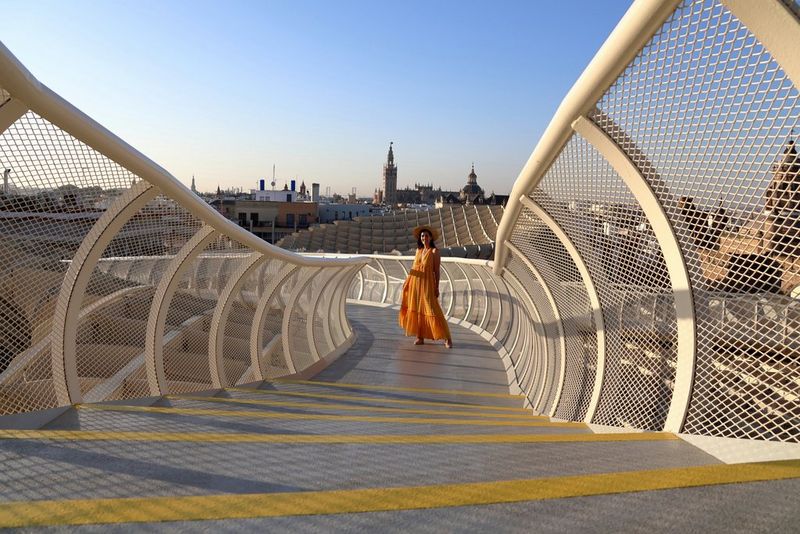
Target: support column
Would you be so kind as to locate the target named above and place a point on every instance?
(305, 279)
(11, 112)
(562, 344)
(256, 332)
(154, 333)
(216, 333)
(594, 299)
(673, 259)
(67, 310)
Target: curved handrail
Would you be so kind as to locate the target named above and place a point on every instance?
(48, 104)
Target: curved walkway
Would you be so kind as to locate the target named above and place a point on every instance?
(392, 437)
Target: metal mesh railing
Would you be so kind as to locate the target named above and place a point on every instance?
(589, 200)
(647, 266)
(543, 248)
(723, 165)
(118, 282)
(671, 171)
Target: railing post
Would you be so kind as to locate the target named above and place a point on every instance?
(594, 299)
(159, 308)
(65, 318)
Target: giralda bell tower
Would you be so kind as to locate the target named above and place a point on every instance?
(390, 179)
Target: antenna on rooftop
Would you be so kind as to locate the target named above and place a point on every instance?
(273, 176)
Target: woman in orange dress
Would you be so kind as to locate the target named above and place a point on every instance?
(420, 313)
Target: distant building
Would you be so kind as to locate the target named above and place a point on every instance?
(390, 179)
(275, 195)
(783, 192)
(343, 212)
(407, 196)
(271, 214)
(472, 192)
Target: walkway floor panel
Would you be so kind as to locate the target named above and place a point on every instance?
(390, 429)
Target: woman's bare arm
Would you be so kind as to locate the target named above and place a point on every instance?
(437, 263)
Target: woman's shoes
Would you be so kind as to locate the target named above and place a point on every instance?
(419, 341)
(449, 343)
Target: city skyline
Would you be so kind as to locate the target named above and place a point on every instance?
(222, 94)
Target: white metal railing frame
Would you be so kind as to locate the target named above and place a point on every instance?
(28, 94)
(773, 25)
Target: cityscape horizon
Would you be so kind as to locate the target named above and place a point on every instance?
(223, 95)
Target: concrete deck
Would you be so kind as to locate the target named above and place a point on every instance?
(391, 437)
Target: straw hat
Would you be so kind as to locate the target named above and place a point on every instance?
(418, 230)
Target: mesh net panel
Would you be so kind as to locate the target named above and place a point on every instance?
(597, 210)
(236, 342)
(188, 322)
(720, 155)
(57, 188)
(549, 349)
(273, 361)
(300, 313)
(543, 249)
(519, 345)
(110, 350)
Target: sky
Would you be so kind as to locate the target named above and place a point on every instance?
(222, 91)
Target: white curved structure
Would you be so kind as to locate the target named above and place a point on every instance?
(646, 272)
(670, 167)
(85, 220)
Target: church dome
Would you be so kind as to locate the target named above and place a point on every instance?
(472, 191)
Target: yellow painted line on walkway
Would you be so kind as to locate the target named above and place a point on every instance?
(394, 388)
(349, 407)
(355, 398)
(322, 439)
(309, 417)
(240, 506)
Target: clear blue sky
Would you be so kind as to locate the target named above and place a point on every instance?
(224, 90)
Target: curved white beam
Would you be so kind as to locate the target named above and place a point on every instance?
(10, 112)
(340, 284)
(216, 333)
(499, 300)
(562, 344)
(159, 308)
(776, 27)
(257, 331)
(328, 276)
(594, 299)
(305, 279)
(642, 20)
(360, 292)
(673, 259)
(67, 310)
(482, 323)
(385, 282)
(452, 293)
(20, 83)
(468, 307)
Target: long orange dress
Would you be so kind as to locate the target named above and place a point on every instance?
(420, 313)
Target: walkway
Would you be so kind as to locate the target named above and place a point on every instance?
(413, 438)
